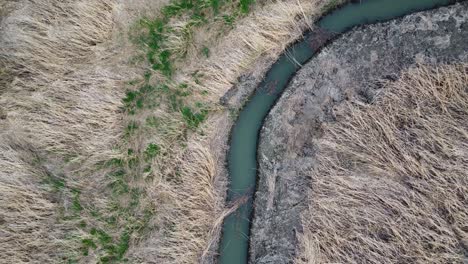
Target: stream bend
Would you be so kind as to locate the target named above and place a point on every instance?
(244, 138)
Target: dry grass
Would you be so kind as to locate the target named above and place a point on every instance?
(55, 107)
(391, 180)
(67, 107)
(63, 65)
(251, 47)
(188, 206)
(63, 68)
(189, 218)
(29, 230)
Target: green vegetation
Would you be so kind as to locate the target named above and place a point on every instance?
(193, 119)
(56, 183)
(125, 215)
(113, 251)
(124, 218)
(206, 51)
(245, 5)
(107, 232)
(76, 205)
(152, 151)
(157, 31)
(131, 128)
(156, 90)
(164, 43)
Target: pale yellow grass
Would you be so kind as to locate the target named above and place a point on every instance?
(192, 229)
(63, 65)
(67, 107)
(252, 46)
(60, 94)
(29, 230)
(55, 106)
(391, 181)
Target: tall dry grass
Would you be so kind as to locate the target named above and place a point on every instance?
(391, 180)
(63, 69)
(252, 45)
(55, 107)
(189, 218)
(67, 107)
(29, 230)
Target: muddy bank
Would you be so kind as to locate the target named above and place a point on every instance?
(354, 64)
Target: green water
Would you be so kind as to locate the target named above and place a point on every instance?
(242, 162)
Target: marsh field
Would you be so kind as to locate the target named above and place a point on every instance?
(114, 133)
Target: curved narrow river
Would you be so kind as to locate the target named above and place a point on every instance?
(242, 159)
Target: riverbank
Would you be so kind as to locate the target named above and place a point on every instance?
(353, 66)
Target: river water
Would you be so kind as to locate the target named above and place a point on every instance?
(242, 158)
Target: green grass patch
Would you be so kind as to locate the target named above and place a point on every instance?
(114, 162)
(76, 206)
(206, 51)
(152, 34)
(131, 128)
(245, 5)
(229, 20)
(151, 151)
(86, 244)
(118, 181)
(215, 5)
(56, 183)
(193, 118)
(109, 234)
(152, 121)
